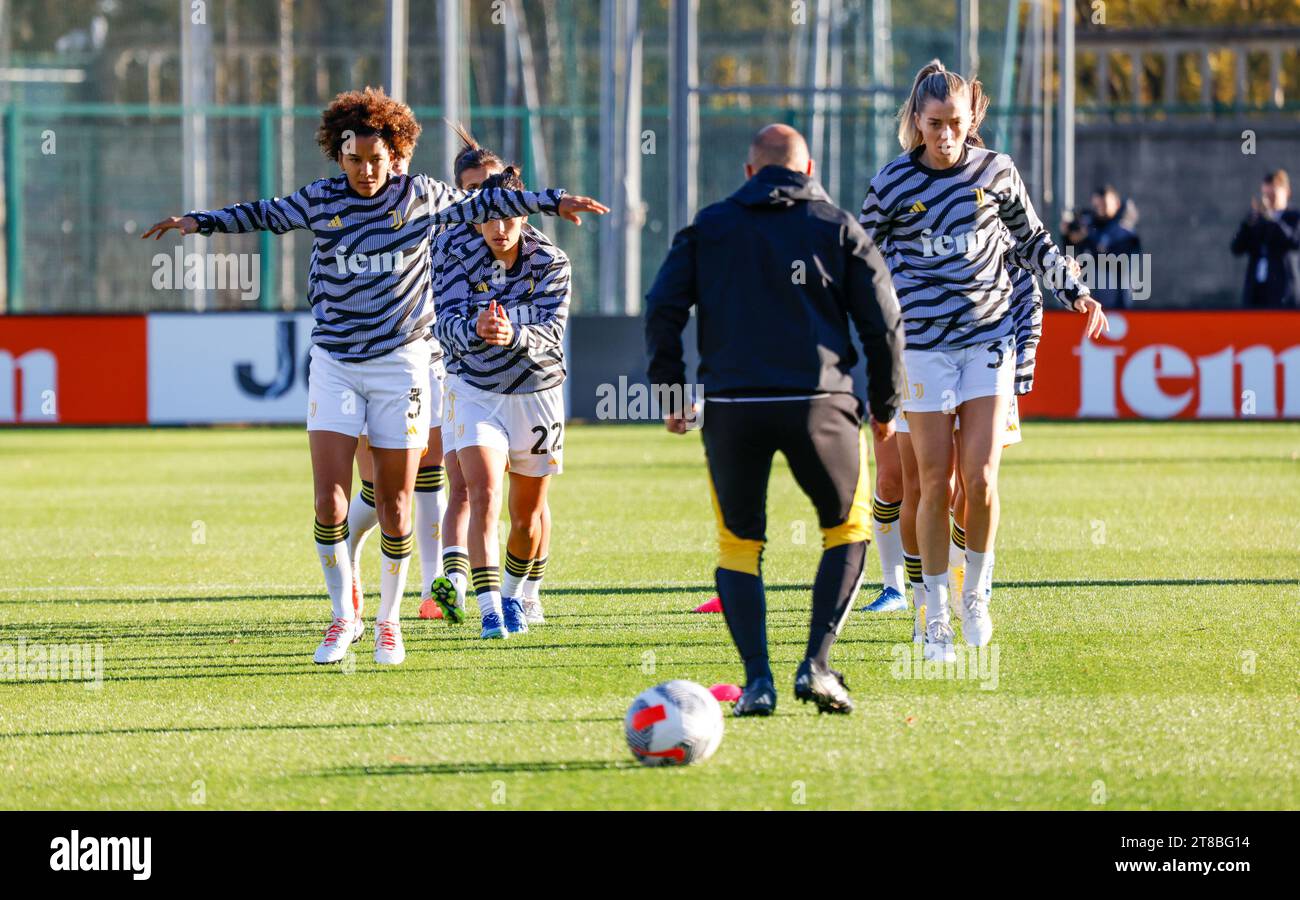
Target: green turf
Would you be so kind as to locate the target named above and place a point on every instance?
(1142, 570)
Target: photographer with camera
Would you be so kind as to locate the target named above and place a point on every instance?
(1269, 237)
(1110, 227)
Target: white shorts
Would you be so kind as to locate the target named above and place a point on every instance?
(528, 428)
(942, 380)
(1012, 434)
(437, 374)
(388, 398)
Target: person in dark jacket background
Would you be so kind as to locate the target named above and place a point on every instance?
(776, 272)
(1110, 229)
(1270, 239)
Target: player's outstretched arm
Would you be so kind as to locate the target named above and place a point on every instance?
(452, 206)
(183, 224)
(277, 215)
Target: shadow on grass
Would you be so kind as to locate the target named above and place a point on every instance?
(483, 768)
(622, 590)
(308, 726)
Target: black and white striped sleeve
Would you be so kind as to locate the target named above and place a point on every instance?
(454, 323)
(551, 298)
(1034, 248)
(277, 215)
(452, 206)
(873, 217)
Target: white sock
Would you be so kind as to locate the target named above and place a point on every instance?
(889, 542)
(533, 583)
(936, 597)
(332, 549)
(430, 504)
(979, 570)
(957, 546)
(487, 588)
(395, 556)
(516, 571)
(455, 565)
(362, 520)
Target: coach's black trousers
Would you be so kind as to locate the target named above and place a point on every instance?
(823, 443)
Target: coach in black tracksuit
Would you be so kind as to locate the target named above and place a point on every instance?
(776, 272)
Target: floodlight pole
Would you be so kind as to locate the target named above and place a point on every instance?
(196, 96)
(610, 162)
(684, 111)
(630, 189)
(882, 75)
(968, 30)
(449, 15)
(397, 41)
(1065, 116)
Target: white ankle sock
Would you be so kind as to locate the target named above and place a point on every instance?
(979, 570)
(936, 597)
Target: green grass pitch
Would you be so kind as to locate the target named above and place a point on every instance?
(1146, 608)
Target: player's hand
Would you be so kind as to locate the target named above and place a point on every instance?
(493, 326)
(1096, 316)
(680, 423)
(570, 206)
(883, 430)
(183, 224)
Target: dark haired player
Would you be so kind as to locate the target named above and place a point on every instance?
(369, 284)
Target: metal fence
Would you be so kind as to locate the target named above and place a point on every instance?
(84, 181)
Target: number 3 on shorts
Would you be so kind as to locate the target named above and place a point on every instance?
(998, 350)
(542, 432)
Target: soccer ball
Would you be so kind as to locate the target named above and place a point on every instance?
(673, 724)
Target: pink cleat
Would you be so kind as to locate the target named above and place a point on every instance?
(725, 693)
(713, 606)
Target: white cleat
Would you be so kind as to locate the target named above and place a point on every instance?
(533, 612)
(341, 635)
(937, 645)
(389, 649)
(976, 625)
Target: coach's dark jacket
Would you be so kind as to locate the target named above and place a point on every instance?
(777, 270)
(1276, 240)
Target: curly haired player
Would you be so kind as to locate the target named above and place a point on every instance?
(369, 288)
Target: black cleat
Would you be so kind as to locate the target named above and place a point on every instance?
(827, 689)
(758, 699)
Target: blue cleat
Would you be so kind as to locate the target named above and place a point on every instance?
(513, 613)
(492, 626)
(889, 600)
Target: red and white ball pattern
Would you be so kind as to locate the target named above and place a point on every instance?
(673, 724)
